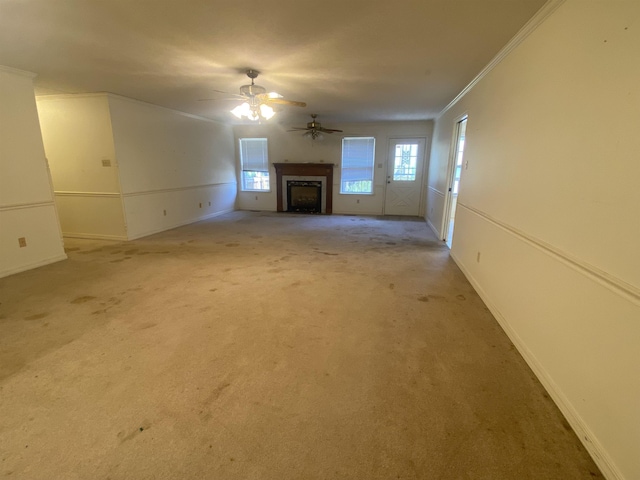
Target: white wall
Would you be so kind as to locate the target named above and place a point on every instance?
(550, 200)
(163, 168)
(174, 168)
(77, 135)
(26, 199)
(292, 147)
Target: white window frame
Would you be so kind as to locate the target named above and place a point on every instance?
(345, 166)
(258, 165)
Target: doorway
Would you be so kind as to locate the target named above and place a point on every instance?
(404, 176)
(454, 180)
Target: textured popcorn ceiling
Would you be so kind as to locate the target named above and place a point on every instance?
(348, 60)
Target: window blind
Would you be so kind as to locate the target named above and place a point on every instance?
(253, 154)
(357, 161)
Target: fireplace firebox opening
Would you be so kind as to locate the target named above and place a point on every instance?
(304, 196)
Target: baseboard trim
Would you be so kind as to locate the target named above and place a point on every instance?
(31, 266)
(588, 439)
(180, 224)
(434, 229)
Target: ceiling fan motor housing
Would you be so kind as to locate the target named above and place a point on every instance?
(252, 90)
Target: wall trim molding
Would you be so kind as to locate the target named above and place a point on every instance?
(68, 193)
(30, 266)
(586, 437)
(176, 189)
(18, 206)
(179, 224)
(15, 71)
(601, 277)
(540, 16)
(94, 236)
(435, 190)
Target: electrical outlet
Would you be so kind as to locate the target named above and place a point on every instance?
(106, 162)
(22, 241)
(478, 257)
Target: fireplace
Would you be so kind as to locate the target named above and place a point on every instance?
(311, 174)
(304, 196)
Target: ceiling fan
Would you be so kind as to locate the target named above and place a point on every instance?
(258, 103)
(314, 129)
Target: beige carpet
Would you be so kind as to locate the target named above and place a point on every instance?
(268, 346)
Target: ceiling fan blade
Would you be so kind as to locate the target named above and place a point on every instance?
(297, 129)
(234, 99)
(282, 101)
(328, 130)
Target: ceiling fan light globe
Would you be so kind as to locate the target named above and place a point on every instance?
(266, 111)
(241, 110)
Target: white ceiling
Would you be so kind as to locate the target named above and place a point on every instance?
(349, 60)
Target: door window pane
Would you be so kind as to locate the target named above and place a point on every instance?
(405, 162)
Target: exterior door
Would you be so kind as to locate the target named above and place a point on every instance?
(404, 177)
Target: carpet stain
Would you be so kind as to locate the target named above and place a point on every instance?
(461, 297)
(423, 298)
(133, 434)
(329, 253)
(213, 289)
(146, 326)
(37, 316)
(232, 245)
(215, 394)
(392, 286)
(83, 299)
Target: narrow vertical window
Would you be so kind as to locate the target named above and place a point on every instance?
(358, 156)
(254, 163)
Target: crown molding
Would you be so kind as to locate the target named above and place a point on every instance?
(15, 71)
(541, 15)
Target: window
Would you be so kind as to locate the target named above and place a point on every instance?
(405, 161)
(254, 163)
(357, 165)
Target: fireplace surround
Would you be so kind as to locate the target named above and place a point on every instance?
(308, 172)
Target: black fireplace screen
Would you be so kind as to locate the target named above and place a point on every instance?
(304, 196)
